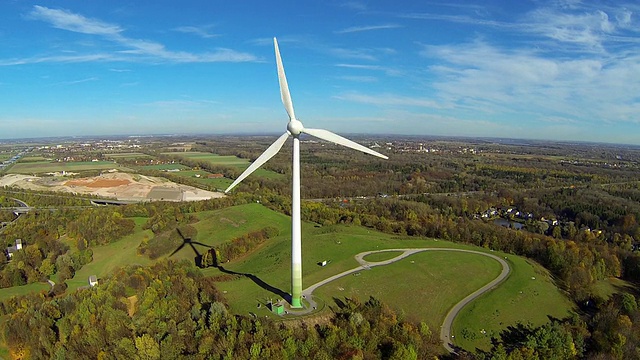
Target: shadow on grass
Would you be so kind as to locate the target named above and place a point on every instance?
(258, 282)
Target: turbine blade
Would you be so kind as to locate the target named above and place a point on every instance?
(329, 136)
(266, 155)
(284, 87)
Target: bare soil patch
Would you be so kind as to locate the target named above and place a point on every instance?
(98, 183)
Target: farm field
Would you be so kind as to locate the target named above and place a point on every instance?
(34, 158)
(161, 167)
(47, 166)
(127, 156)
(226, 160)
(219, 183)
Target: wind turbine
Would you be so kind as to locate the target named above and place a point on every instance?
(294, 129)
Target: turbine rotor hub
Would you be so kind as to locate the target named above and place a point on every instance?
(295, 127)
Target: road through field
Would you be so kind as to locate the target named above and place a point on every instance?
(445, 331)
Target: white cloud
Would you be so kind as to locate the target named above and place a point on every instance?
(388, 100)
(355, 5)
(132, 49)
(489, 79)
(367, 28)
(66, 20)
(202, 31)
(387, 70)
(73, 82)
(362, 54)
(362, 79)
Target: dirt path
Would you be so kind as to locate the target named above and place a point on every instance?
(445, 331)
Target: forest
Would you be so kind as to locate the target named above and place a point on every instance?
(584, 202)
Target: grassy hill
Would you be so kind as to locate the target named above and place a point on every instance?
(422, 286)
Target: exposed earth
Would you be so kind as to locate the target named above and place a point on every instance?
(117, 185)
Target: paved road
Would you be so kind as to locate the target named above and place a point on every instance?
(445, 331)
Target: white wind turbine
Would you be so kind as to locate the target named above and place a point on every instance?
(294, 129)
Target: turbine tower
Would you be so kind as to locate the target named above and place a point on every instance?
(294, 129)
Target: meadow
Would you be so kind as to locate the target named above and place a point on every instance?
(422, 287)
(162, 167)
(225, 160)
(107, 258)
(219, 183)
(127, 156)
(527, 297)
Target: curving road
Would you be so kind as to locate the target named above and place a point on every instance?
(445, 331)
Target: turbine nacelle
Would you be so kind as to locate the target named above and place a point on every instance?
(295, 127)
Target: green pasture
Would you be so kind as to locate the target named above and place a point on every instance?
(607, 287)
(165, 167)
(47, 166)
(35, 158)
(219, 226)
(527, 296)
(107, 258)
(24, 289)
(225, 160)
(127, 156)
(423, 286)
(219, 183)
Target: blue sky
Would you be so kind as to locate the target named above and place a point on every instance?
(558, 70)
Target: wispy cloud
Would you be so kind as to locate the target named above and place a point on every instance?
(462, 19)
(132, 49)
(361, 54)
(61, 59)
(202, 31)
(354, 29)
(361, 79)
(74, 82)
(388, 99)
(181, 104)
(486, 78)
(586, 28)
(387, 70)
(66, 20)
(355, 5)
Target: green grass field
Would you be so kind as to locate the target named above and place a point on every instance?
(22, 290)
(527, 296)
(127, 156)
(46, 166)
(607, 287)
(225, 160)
(165, 167)
(35, 158)
(423, 286)
(219, 183)
(109, 257)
